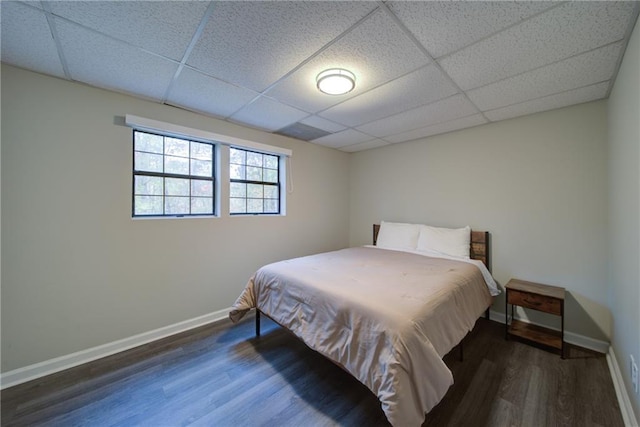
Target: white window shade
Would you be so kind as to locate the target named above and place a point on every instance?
(151, 125)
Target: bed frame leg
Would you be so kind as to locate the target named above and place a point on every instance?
(486, 314)
(461, 345)
(257, 323)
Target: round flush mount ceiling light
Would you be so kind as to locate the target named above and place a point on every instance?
(336, 81)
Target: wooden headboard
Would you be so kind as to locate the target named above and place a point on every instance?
(479, 245)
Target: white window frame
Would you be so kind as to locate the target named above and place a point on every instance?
(171, 129)
(165, 176)
(247, 182)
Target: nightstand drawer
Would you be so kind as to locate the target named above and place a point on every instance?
(535, 301)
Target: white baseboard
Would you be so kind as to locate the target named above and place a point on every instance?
(570, 337)
(628, 416)
(37, 370)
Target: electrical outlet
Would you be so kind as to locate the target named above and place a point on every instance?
(634, 374)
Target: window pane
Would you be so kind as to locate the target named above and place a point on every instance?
(176, 187)
(176, 147)
(270, 192)
(271, 162)
(176, 205)
(237, 172)
(148, 162)
(254, 174)
(201, 188)
(237, 156)
(148, 185)
(238, 189)
(201, 167)
(148, 205)
(176, 165)
(270, 175)
(256, 187)
(201, 151)
(202, 205)
(254, 191)
(254, 206)
(254, 159)
(169, 175)
(237, 205)
(148, 142)
(271, 205)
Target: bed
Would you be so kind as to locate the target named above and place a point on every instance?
(387, 316)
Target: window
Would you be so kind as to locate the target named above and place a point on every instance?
(254, 182)
(176, 172)
(172, 176)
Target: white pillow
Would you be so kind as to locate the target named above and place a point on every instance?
(395, 235)
(447, 241)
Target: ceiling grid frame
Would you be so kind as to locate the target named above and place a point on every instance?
(428, 55)
(488, 36)
(189, 49)
(308, 59)
(56, 39)
(170, 32)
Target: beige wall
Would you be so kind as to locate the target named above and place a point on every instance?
(624, 211)
(78, 272)
(537, 183)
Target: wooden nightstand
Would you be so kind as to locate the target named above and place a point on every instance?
(545, 298)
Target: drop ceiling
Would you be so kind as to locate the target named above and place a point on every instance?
(422, 68)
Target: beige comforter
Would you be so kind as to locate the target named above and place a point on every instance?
(387, 317)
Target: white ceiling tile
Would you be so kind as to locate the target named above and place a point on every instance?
(341, 139)
(445, 26)
(439, 128)
(27, 41)
(163, 27)
(103, 62)
(447, 109)
(265, 113)
(376, 51)
(511, 58)
(194, 90)
(253, 44)
(364, 146)
(324, 124)
(561, 32)
(420, 87)
(564, 99)
(582, 70)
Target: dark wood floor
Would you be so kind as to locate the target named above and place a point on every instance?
(220, 375)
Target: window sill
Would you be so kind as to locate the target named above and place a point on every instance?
(243, 215)
(138, 218)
